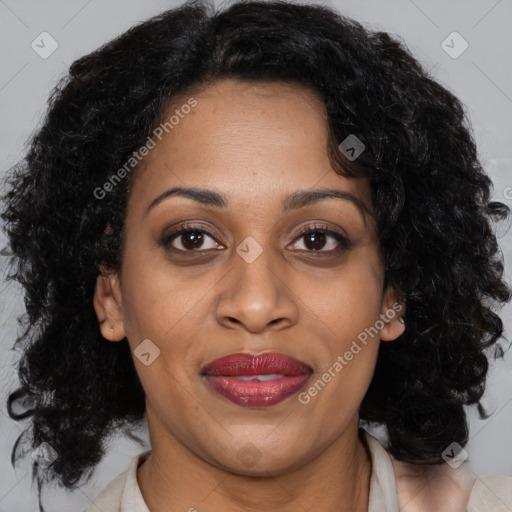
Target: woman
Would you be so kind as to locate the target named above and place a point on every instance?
(257, 228)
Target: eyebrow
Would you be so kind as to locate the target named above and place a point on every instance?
(295, 200)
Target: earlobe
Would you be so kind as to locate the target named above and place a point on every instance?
(392, 313)
(108, 306)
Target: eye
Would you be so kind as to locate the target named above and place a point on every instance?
(190, 238)
(316, 239)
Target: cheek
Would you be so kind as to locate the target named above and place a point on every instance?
(167, 306)
(347, 302)
(163, 312)
(159, 300)
(346, 311)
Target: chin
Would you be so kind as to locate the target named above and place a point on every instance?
(254, 461)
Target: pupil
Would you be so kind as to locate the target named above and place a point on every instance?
(315, 238)
(194, 237)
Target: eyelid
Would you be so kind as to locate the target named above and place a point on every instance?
(317, 226)
(342, 239)
(188, 226)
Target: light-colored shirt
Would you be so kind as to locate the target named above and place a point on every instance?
(488, 494)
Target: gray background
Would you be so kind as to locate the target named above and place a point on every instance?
(481, 77)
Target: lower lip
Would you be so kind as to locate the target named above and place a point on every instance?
(256, 393)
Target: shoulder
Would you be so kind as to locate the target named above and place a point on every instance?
(109, 499)
(491, 492)
(123, 492)
(444, 489)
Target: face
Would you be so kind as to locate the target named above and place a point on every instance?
(243, 279)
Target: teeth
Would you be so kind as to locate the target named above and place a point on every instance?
(271, 376)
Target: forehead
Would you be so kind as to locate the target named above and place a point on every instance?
(247, 114)
(251, 140)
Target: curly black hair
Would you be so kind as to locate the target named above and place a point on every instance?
(430, 196)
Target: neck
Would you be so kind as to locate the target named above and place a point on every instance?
(173, 477)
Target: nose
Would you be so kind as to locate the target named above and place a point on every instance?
(256, 296)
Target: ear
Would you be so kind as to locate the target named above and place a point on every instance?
(108, 305)
(392, 313)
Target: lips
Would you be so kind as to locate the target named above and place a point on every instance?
(256, 380)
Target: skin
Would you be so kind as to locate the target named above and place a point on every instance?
(439, 488)
(255, 143)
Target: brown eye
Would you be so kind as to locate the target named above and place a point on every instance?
(190, 239)
(315, 241)
(321, 239)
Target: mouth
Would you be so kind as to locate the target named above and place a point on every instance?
(256, 380)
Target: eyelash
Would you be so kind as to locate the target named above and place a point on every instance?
(344, 243)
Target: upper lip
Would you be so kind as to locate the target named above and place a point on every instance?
(256, 364)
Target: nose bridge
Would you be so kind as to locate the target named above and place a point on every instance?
(255, 294)
(256, 267)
